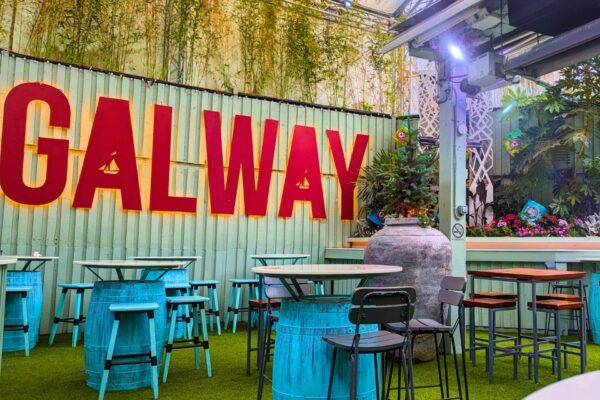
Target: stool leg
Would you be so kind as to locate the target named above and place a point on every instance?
(205, 341)
(558, 345)
(249, 340)
(472, 335)
(25, 323)
(109, 356)
(76, 317)
(195, 334)
(216, 309)
(209, 292)
(491, 343)
(57, 314)
(229, 306)
(169, 346)
(153, 360)
(236, 309)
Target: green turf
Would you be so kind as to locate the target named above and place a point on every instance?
(58, 372)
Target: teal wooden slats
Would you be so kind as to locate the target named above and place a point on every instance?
(106, 231)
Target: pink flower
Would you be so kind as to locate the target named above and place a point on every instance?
(487, 228)
(502, 223)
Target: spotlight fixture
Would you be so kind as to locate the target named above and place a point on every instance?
(347, 3)
(456, 52)
(469, 89)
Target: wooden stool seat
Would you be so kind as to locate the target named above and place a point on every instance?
(262, 303)
(484, 302)
(557, 305)
(496, 295)
(558, 296)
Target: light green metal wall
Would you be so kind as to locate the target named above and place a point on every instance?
(107, 232)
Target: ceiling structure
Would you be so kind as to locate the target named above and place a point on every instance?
(559, 32)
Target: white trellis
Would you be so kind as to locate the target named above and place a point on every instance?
(429, 109)
(481, 158)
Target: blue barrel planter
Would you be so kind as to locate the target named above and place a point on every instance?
(172, 276)
(13, 340)
(594, 305)
(302, 359)
(133, 337)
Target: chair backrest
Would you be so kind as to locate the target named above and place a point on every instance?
(382, 305)
(456, 283)
(450, 297)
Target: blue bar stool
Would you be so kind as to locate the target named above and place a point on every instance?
(22, 291)
(128, 359)
(195, 303)
(213, 300)
(236, 291)
(78, 317)
(176, 289)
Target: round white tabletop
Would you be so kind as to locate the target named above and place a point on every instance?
(120, 265)
(326, 271)
(583, 387)
(7, 260)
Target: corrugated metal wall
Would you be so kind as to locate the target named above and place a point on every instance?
(107, 232)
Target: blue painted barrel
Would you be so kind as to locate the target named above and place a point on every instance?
(171, 276)
(594, 305)
(13, 340)
(133, 337)
(302, 359)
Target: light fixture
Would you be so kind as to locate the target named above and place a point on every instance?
(347, 3)
(508, 107)
(456, 52)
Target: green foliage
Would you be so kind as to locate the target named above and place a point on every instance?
(550, 124)
(287, 49)
(399, 181)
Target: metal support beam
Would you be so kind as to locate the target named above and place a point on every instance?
(453, 167)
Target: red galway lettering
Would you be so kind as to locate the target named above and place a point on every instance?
(110, 160)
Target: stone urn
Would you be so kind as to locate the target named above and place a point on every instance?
(425, 256)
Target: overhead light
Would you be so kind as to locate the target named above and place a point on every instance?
(347, 3)
(456, 52)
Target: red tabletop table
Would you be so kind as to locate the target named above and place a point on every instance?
(533, 277)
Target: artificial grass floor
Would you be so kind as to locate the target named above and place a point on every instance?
(58, 372)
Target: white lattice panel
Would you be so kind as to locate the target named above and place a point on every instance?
(481, 159)
(429, 109)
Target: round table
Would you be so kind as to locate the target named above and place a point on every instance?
(4, 263)
(302, 360)
(581, 387)
(28, 275)
(133, 336)
(263, 258)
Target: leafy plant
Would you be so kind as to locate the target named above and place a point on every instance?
(400, 181)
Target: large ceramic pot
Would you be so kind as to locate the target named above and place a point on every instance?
(425, 255)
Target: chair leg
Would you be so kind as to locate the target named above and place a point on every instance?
(216, 309)
(169, 347)
(109, 356)
(236, 310)
(205, 341)
(265, 357)
(439, 367)
(25, 323)
(376, 375)
(77, 317)
(153, 357)
(491, 343)
(451, 337)
(195, 334)
(332, 371)
(445, 365)
(229, 307)
(472, 335)
(57, 315)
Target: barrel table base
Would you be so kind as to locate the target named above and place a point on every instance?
(133, 337)
(13, 340)
(302, 360)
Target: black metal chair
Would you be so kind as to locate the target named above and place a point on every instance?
(274, 293)
(374, 305)
(451, 294)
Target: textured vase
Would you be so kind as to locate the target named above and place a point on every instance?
(425, 256)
